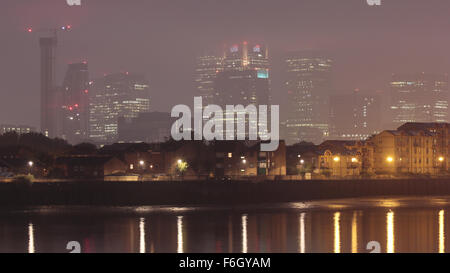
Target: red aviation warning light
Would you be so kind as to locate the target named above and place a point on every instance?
(30, 29)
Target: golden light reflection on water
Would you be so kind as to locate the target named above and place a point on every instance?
(441, 231)
(337, 232)
(31, 248)
(244, 222)
(301, 237)
(390, 232)
(390, 203)
(142, 235)
(355, 232)
(419, 226)
(180, 248)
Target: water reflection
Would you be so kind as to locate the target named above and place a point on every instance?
(244, 233)
(355, 232)
(142, 235)
(401, 228)
(337, 232)
(30, 238)
(441, 232)
(302, 235)
(180, 242)
(390, 232)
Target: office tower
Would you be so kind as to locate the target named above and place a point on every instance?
(244, 80)
(49, 104)
(419, 98)
(242, 88)
(246, 56)
(152, 127)
(354, 116)
(207, 68)
(116, 95)
(75, 103)
(308, 84)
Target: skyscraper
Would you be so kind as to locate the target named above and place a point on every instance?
(75, 103)
(419, 98)
(244, 79)
(308, 84)
(354, 116)
(49, 104)
(207, 68)
(116, 95)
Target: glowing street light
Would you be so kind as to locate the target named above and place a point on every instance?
(390, 159)
(30, 165)
(441, 159)
(336, 159)
(244, 161)
(354, 160)
(141, 162)
(179, 161)
(302, 161)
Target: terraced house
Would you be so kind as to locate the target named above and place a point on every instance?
(414, 148)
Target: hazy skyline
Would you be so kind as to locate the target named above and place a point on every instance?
(161, 39)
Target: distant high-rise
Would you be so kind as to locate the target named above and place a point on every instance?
(207, 68)
(244, 79)
(308, 84)
(419, 98)
(49, 104)
(75, 103)
(242, 88)
(116, 95)
(354, 116)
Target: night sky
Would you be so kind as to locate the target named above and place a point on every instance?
(160, 38)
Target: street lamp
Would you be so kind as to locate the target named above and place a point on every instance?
(441, 159)
(30, 165)
(390, 159)
(336, 159)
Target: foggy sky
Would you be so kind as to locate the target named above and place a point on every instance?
(161, 38)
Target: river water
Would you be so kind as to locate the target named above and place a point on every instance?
(346, 226)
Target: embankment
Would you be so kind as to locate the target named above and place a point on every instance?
(209, 192)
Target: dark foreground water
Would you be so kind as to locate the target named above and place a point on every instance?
(396, 225)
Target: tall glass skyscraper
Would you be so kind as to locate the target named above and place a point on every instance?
(207, 68)
(308, 83)
(75, 103)
(419, 98)
(116, 95)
